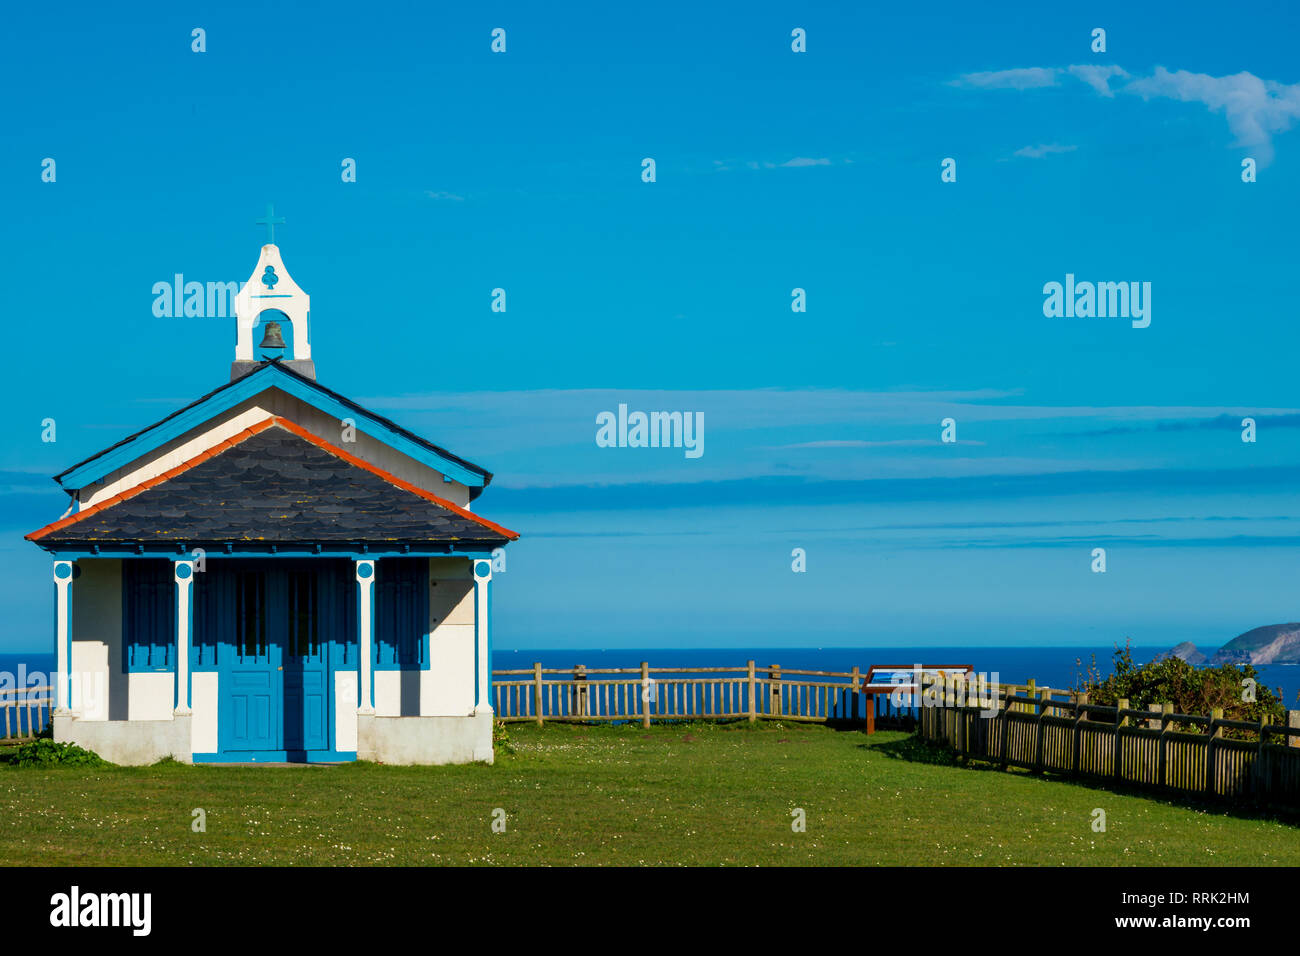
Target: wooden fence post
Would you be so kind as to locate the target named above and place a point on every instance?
(963, 715)
(1162, 764)
(1117, 761)
(1045, 696)
(1004, 710)
(753, 694)
(854, 696)
(1261, 775)
(579, 691)
(774, 675)
(537, 691)
(1080, 701)
(1293, 721)
(950, 707)
(645, 694)
(1216, 714)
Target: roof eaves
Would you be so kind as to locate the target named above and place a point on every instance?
(249, 432)
(279, 368)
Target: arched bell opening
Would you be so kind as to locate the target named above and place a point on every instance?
(273, 331)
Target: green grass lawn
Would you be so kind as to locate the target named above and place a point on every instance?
(686, 794)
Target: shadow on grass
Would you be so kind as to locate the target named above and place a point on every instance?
(915, 750)
(904, 724)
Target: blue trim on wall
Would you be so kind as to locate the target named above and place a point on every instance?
(248, 386)
(278, 756)
(149, 607)
(400, 615)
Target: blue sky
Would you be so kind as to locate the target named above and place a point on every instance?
(775, 170)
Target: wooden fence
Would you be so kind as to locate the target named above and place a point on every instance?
(648, 693)
(24, 713)
(1042, 729)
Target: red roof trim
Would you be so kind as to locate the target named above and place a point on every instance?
(393, 479)
(244, 435)
(148, 483)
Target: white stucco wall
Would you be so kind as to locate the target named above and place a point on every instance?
(345, 711)
(96, 636)
(205, 704)
(448, 685)
(388, 693)
(253, 410)
(425, 740)
(90, 680)
(151, 696)
(130, 743)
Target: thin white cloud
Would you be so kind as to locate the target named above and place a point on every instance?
(1098, 77)
(798, 162)
(1028, 78)
(1045, 149)
(858, 443)
(1256, 109)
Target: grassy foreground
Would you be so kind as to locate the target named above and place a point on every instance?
(687, 794)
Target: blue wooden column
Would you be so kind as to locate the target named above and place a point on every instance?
(365, 568)
(482, 644)
(63, 635)
(183, 572)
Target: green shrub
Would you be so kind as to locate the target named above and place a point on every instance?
(500, 738)
(47, 753)
(1192, 690)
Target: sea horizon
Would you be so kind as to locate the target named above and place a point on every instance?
(1062, 667)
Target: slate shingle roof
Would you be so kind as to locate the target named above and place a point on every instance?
(275, 483)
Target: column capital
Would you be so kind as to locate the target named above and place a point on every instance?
(482, 570)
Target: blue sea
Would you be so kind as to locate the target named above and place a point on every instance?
(1048, 666)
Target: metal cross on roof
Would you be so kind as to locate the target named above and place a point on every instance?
(270, 220)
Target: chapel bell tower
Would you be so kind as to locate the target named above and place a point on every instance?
(270, 287)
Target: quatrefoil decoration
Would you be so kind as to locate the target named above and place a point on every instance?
(269, 278)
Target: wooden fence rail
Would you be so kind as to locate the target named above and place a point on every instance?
(1040, 729)
(648, 694)
(24, 713)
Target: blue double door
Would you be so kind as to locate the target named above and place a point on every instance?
(277, 631)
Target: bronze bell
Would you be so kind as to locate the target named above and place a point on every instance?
(273, 339)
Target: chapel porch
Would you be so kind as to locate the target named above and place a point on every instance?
(292, 657)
